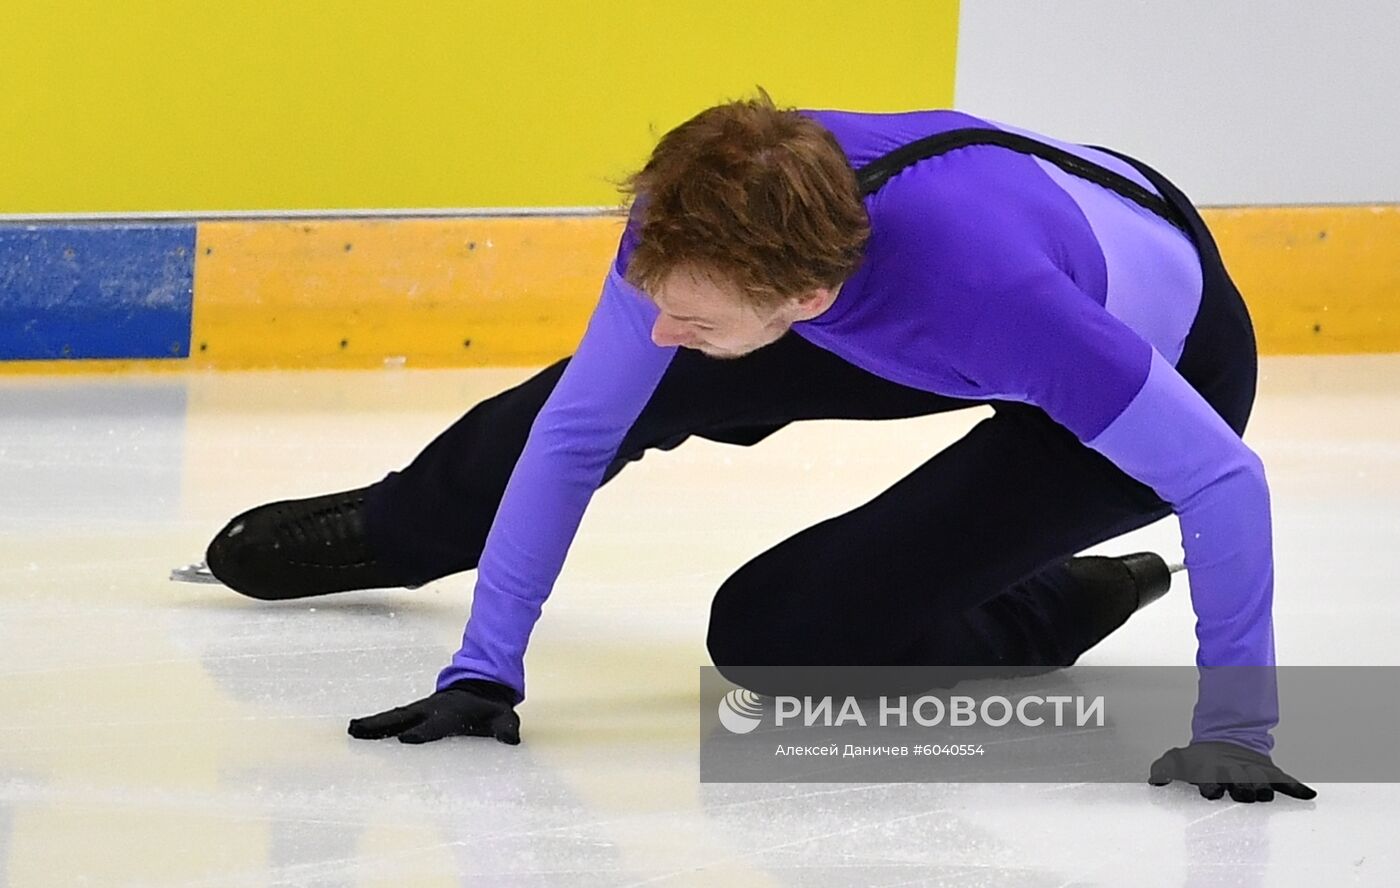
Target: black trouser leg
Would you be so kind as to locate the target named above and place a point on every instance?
(431, 518)
(955, 565)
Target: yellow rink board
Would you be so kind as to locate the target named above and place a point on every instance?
(1318, 280)
(475, 292)
(421, 292)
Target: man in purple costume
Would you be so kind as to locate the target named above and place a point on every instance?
(781, 265)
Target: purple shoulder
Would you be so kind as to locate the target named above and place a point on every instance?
(865, 136)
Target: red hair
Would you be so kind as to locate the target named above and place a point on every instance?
(750, 195)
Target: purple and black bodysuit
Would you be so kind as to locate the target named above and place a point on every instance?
(1073, 290)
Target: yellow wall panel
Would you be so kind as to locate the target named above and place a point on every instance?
(425, 292)
(1318, 280)
(151, 105)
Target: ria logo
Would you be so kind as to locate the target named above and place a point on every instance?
(740, 711)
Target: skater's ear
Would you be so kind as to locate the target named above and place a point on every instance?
(814, 302)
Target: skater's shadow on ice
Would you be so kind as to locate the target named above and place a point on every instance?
(350, 604)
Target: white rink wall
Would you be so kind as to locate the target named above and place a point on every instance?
(1238, 101)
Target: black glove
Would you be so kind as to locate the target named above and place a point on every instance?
(470, 707)
(1216, 767)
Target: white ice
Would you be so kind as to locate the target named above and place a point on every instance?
(154, 734)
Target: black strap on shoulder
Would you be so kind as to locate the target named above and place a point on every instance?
(875, 174)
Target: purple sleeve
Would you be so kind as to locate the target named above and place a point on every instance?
(1169, 438)
(573, 440)
(1045, 342)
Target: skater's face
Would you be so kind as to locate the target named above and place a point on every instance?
(701, 314)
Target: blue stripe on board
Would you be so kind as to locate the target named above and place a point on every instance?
(109, 290)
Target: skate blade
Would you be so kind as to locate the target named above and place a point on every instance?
(194, 573)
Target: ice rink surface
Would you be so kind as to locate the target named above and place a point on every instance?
(156, 734)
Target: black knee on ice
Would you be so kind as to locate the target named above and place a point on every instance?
(746, 641)
(757, 642)
(727, 640)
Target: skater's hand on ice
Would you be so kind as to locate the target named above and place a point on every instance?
(1217, 767)
(471, 707)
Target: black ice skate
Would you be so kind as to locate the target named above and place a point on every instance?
(1120, 586)
(298, 548)
(1151, 575)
